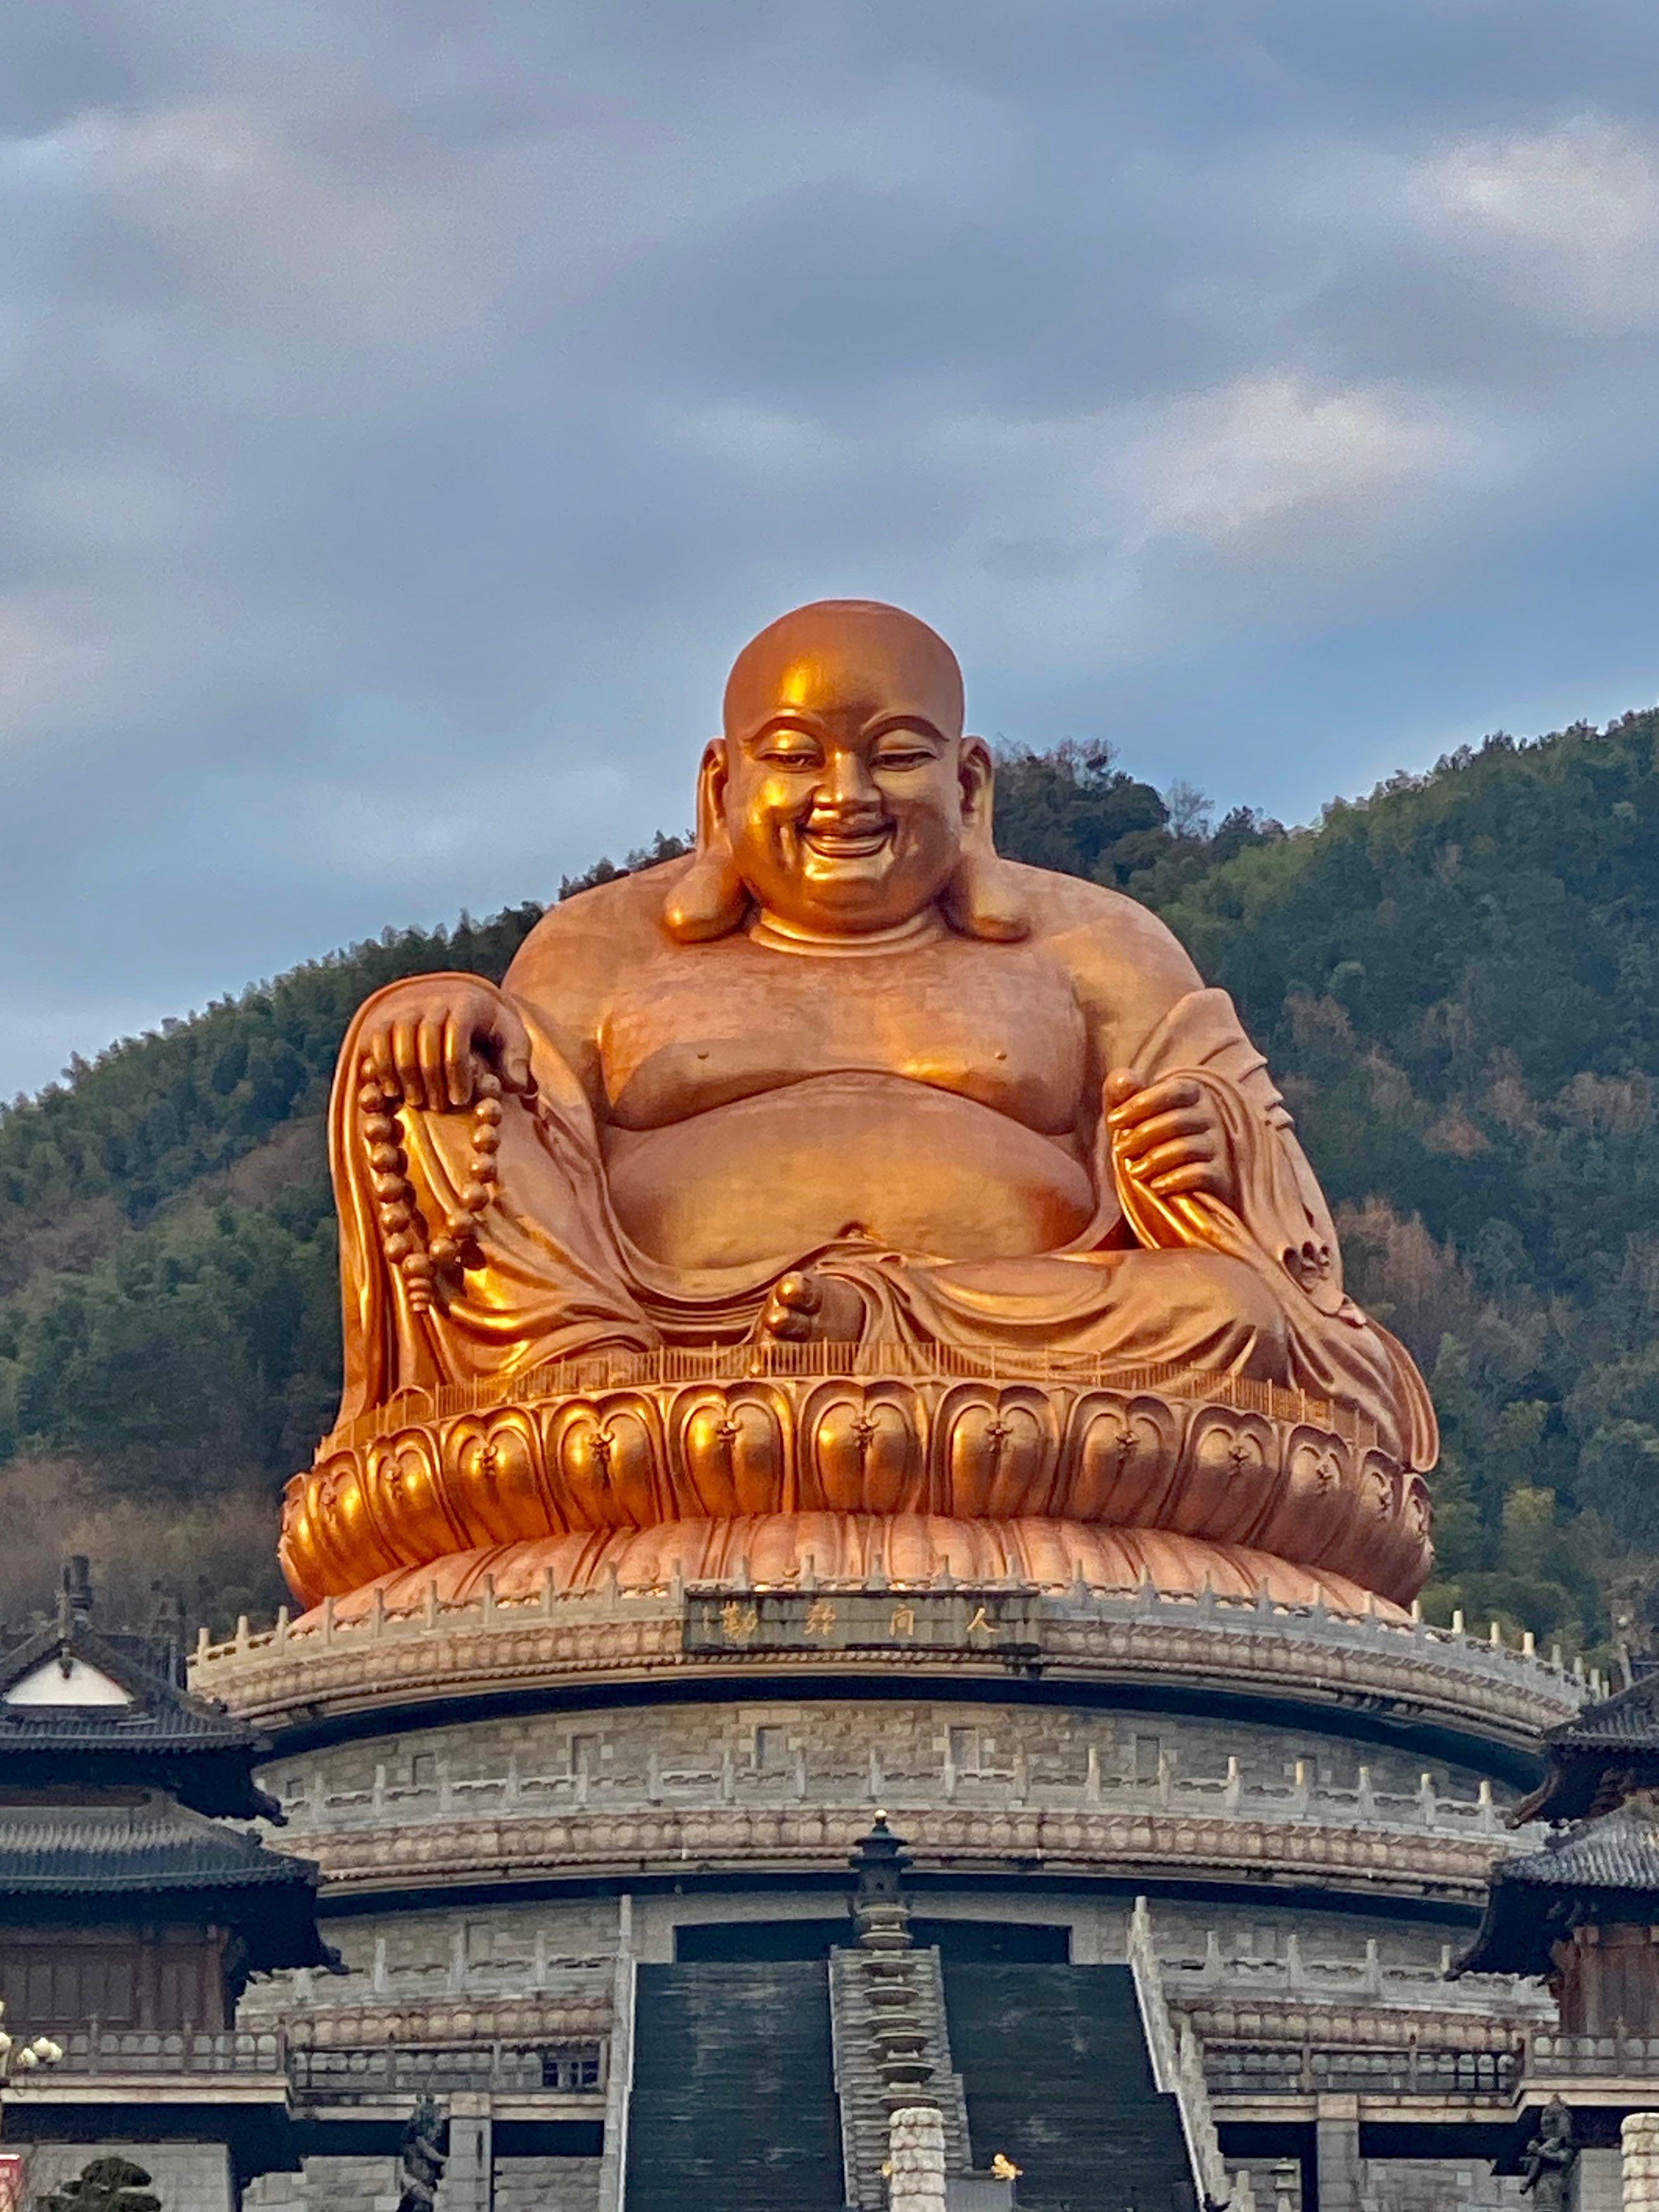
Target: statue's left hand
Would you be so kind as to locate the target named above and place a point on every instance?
(1169, 1135)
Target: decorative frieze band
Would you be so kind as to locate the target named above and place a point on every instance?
(1386, 1862)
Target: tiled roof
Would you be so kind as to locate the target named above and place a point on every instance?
(79, 1861)
(154, 1845)
(1620, 1851)
(171, 1726)
(1627, 1720)
(1605, 1869)
(208, 1753)
(160, 1711)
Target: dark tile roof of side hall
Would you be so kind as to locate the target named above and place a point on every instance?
(1602, 1870)
(153, 1845)
(79, 1861)
(115, 1706)
(1598, 1757)
(1619, 1851)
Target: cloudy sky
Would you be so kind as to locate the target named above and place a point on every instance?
(409, 409)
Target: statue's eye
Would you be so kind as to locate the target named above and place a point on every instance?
(904, 755)
(786, 752)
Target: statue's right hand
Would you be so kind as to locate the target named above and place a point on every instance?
(433, 1036)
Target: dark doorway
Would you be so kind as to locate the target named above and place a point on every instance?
(965, 1943)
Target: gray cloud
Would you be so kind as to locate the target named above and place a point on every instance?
(409, 410)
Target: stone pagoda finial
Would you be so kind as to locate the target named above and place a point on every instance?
(882, 1918)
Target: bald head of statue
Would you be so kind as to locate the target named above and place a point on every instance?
(843, 801)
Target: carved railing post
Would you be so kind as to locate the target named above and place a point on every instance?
(1178, 2071)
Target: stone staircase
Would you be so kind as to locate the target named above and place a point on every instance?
(733, 2104)
(1057, 2076)
(887, 2009)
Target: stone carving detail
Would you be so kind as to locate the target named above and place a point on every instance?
(657, 1456)
(730, 1450)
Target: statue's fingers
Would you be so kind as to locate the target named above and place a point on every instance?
(1142, 1136)
(1120, 1086)
(377, 1057)
(1172, 1093)
(513, 1042)
(458, 1061)
(406, 1061)
(1178, 1182)
(783, 1322)
(1185, 1151)
(430, 1049)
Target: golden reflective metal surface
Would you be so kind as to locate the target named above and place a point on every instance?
(844, 1078)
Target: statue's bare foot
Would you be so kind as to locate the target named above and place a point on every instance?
(810, 1308)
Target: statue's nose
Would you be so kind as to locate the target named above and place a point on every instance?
(847, 786)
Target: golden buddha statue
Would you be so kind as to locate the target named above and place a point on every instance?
(844, 1094)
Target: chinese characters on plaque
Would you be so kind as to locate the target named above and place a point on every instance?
(1003, 1623)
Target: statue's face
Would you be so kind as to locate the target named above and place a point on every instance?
(846, 774)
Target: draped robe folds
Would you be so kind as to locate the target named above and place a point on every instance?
(1253, 1290)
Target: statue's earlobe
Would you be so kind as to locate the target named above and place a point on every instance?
(982, 898)
(710, 899)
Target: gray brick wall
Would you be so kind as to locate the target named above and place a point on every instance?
(547, 2184)
(1399, 2184)
(371, 2185)
(1599, 2180)
(910, 1737)
(187, 2177)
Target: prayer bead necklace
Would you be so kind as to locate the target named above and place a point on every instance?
(409, 1247)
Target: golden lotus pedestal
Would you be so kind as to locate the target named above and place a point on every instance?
(794, 1462)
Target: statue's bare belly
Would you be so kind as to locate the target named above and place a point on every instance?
(921, 1171)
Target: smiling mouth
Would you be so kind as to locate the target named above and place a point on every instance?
(847, 844)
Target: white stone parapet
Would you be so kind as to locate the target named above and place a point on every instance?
(305, 1669)
(320, 1810)
(1064, 1811)
(1638, 2137)
(1177, 2063)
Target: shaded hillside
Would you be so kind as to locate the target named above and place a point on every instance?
(1457, 981)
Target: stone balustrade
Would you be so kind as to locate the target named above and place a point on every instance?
(152, 2052)
(1177, 2063)
(295, 1670)
(320, 2066)
(1552, 2057)
(382, 2074)
(552, 1988)
(1245, 2073)
(1535, 2057)
(659, 1839)
(445, 1796)
(1362, 1980)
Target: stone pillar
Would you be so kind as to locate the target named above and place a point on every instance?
(916, 2152)
(1336, 2151)
(468, 2184)
(1639, 2139)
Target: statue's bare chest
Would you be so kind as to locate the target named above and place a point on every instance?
(693, 1030)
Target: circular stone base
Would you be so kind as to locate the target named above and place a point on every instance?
(794, 1548)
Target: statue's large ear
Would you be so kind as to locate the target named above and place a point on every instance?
(982, 897)
(710, 899)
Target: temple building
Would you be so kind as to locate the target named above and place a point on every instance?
(855, 1639)
(1582, 1915)
(133, 1912)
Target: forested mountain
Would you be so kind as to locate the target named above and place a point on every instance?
(1457, 981)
